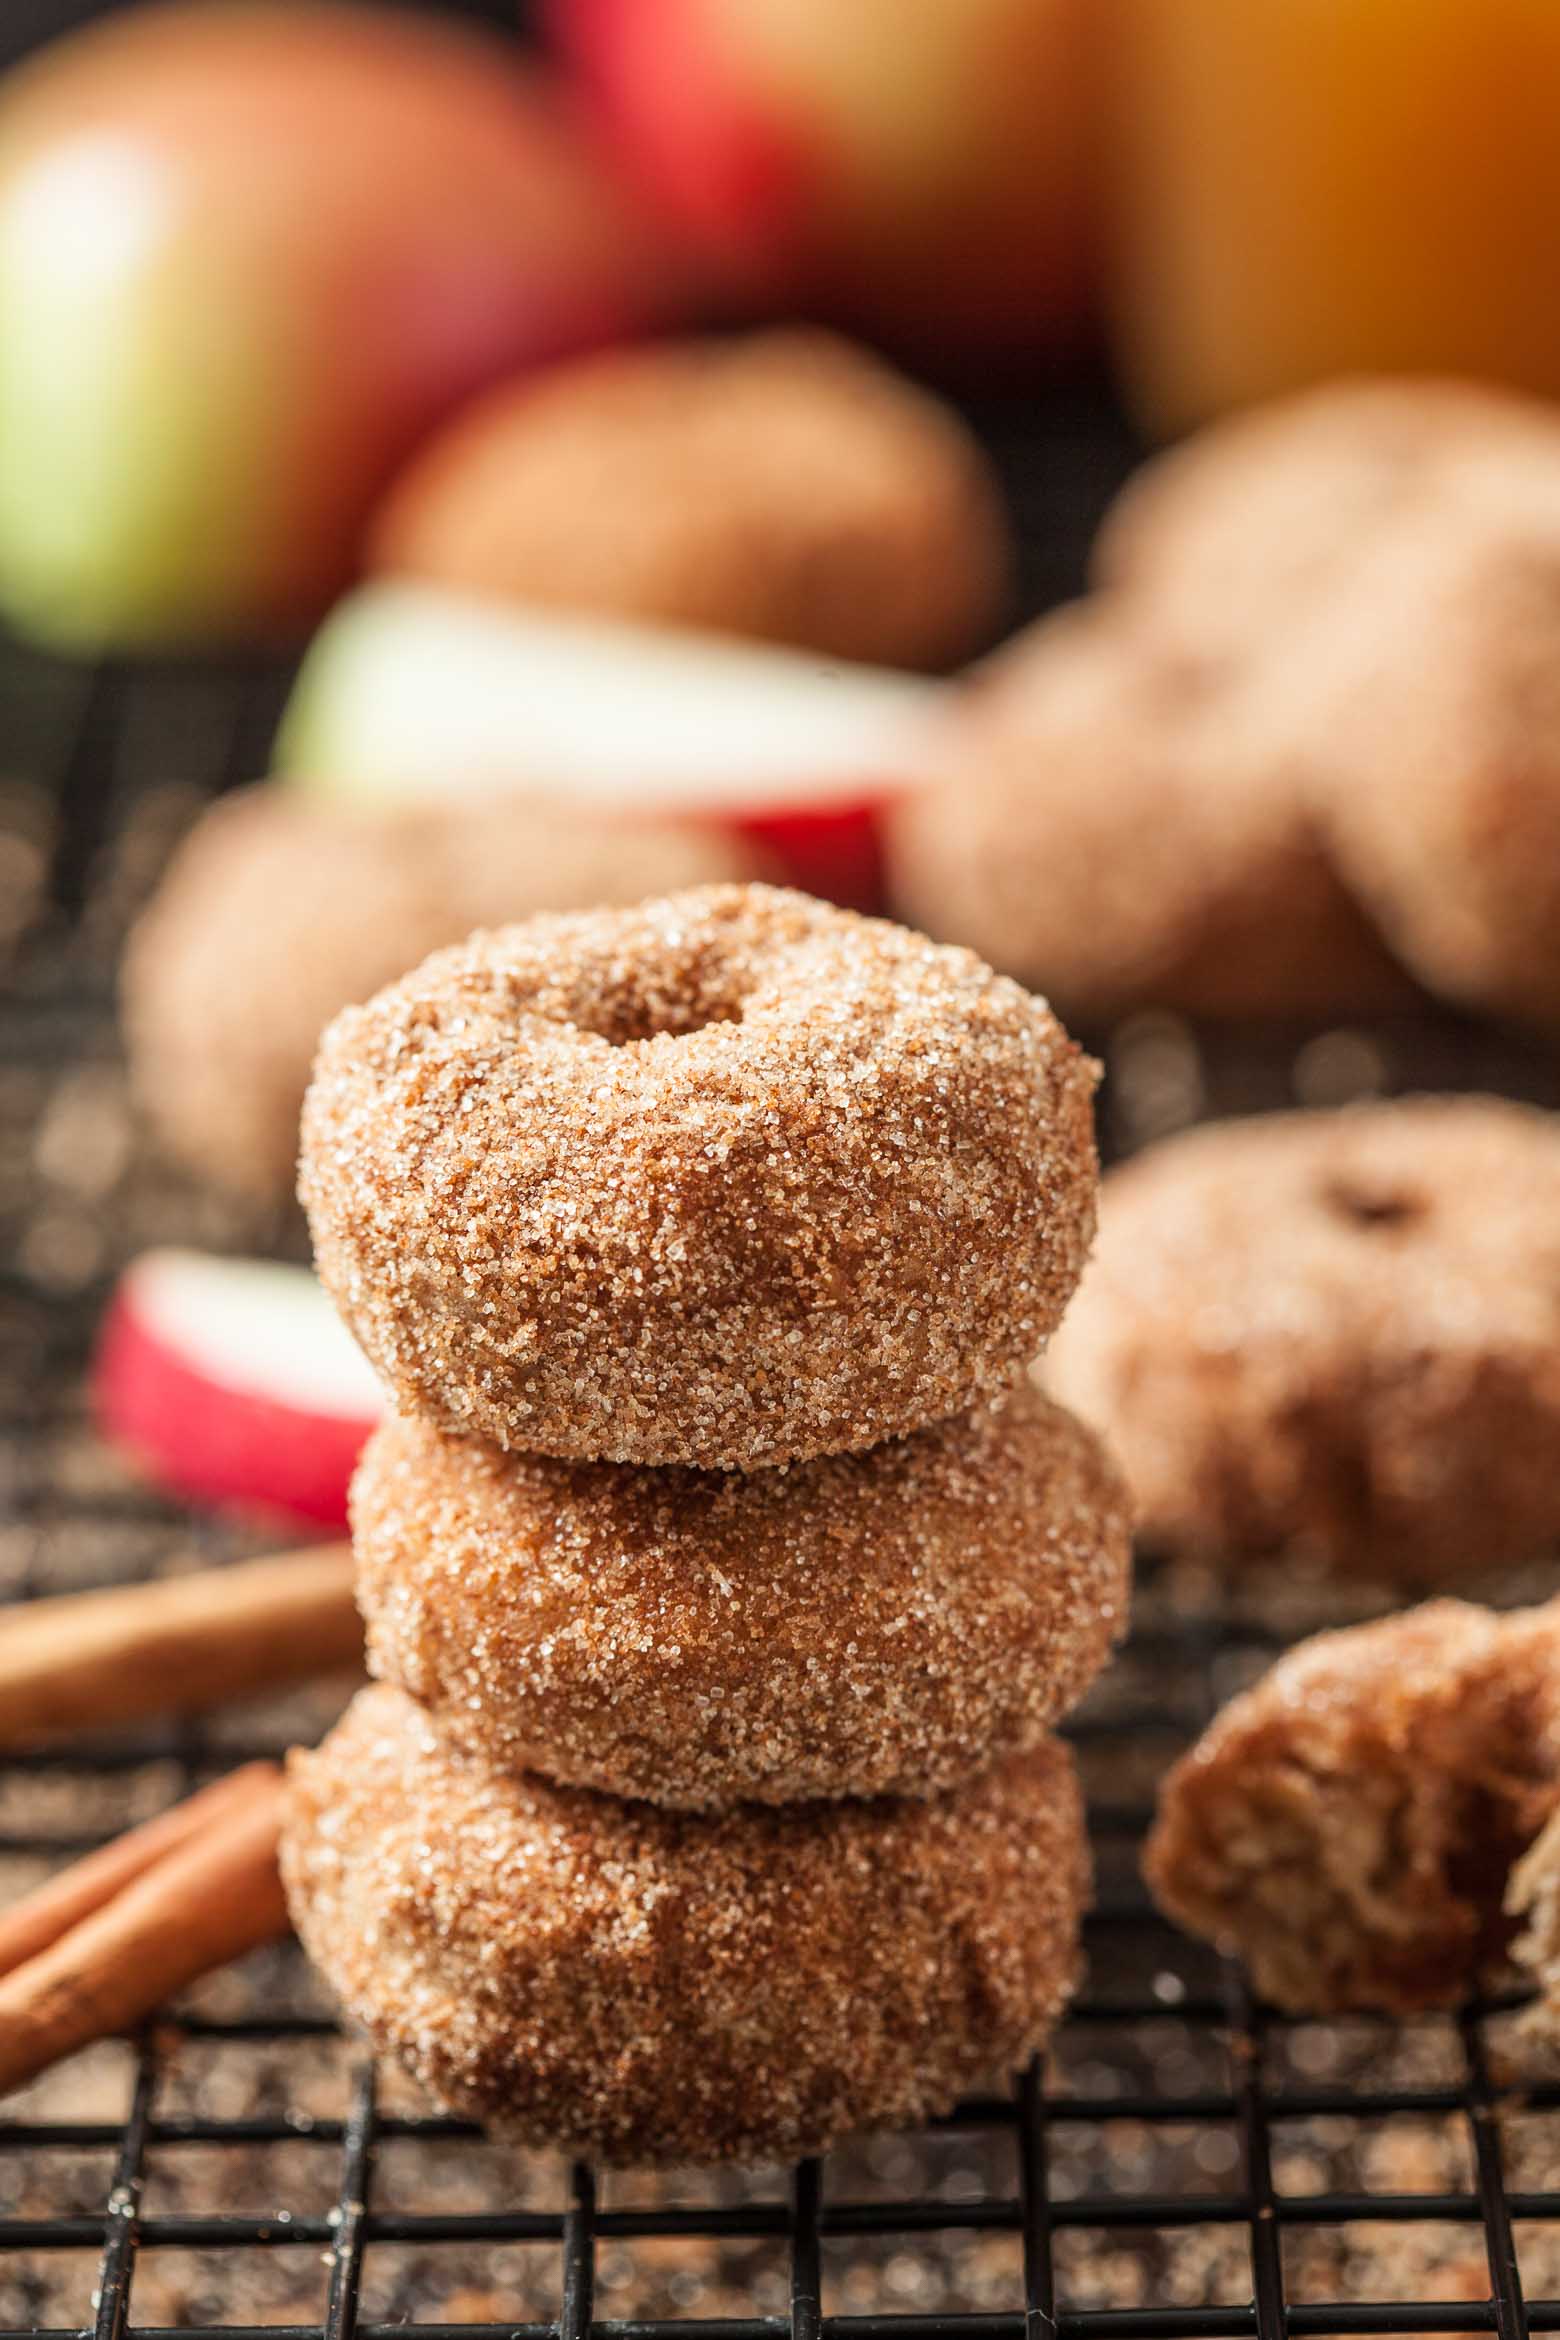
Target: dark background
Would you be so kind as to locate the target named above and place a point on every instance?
(24, 23)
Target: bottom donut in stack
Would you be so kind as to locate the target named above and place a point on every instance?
(838, 1875)
(635, 1984)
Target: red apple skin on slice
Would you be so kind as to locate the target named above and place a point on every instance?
(232, 1432)
(836, 854)
(413, 693)
(249, 255)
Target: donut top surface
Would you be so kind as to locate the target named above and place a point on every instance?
(278, 909)
(1334, 1334)
(728, 1179)
(1440, 1213)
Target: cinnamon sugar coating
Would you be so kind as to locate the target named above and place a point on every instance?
(783, 484)
(1247, 522)
(635, 1985)
(884, 1623)
(1299, 753)
(277, 911)
(1441, 793)
(1390, 552)
(727, 1180)
(1348, 1826)
(1112, 814)
(1334, 1333)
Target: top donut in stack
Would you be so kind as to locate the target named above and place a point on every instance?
(703, 1248)
(729, 1180)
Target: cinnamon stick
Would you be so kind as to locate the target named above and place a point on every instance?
(39, 1919)
(208, 1900)
(175, 1645)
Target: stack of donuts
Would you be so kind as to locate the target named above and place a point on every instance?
(723, 1571)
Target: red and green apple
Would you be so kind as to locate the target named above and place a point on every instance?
(249, 255)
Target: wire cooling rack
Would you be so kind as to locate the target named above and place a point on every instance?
(1185, 2165)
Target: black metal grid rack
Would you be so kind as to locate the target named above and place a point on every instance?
(1187, 2164)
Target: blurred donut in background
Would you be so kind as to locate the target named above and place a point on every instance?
(1439, 787)
(1297, 753)
(785, 485)
(1111, 817)
(1231, 532)
(277, 911)
(1332, 1337)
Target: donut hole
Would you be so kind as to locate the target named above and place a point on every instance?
(638, 1023)
(626, 1013)
(1374, 1209)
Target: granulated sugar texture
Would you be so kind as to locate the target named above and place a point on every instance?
(729, 1179)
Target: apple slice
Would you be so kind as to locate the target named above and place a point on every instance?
(233, 1382)
(409, 692)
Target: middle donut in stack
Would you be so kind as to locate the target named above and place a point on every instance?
(871, 1624)
(703, 1248)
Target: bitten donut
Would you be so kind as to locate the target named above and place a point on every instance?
(784, 484)
(1336, 1334)
(1115, 817)
(1348, 1826)
(276, 912)
(883, 1623)
(603, 1978)
(727, 1180)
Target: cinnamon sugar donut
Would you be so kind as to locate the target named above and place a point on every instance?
(1114, 816)
(1348, 1826)
(637, 1985)
(1299, 754)
(1440, 790)
(277, 911)
(1256, 519)
(784, 484)
(883, 1623)
(727, 1180)
(1336, 1334)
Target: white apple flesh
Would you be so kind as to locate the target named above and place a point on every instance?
(410, 692)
